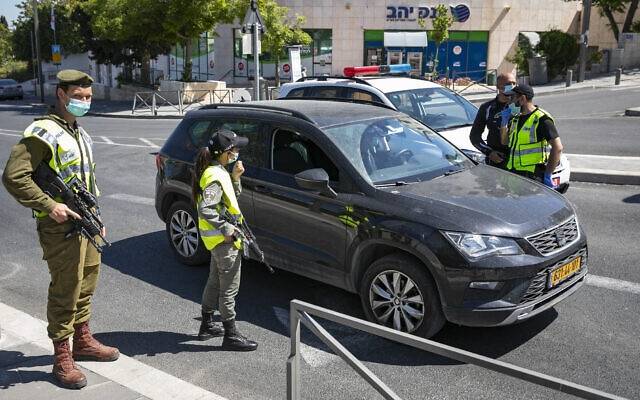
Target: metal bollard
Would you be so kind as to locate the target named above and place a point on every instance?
(618, 75)
(569, 77)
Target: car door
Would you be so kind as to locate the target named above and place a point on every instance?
(301, 230)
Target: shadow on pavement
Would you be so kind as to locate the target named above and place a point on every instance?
(159, 342)
(635, 199)
(16, 360)
(264, 301)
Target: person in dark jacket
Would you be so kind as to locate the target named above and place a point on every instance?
(489, 117)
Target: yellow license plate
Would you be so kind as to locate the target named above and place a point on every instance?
(561, 273)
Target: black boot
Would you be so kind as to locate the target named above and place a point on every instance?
(234, 340)
(208, 328)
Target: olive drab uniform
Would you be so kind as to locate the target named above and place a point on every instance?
(73, 263)
(223, 283)
(525, 151)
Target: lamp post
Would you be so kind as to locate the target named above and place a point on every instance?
(584, 38)
(253, 23)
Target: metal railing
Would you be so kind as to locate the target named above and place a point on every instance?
(455, 75)
(301, 312)
(178, 100)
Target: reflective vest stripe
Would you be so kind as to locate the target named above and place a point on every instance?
(210, 233)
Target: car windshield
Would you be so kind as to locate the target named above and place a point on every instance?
(396, 150)
(7, 82)
(436, 107)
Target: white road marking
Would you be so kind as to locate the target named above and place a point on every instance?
(9, 130)
(613, 284)
(630, 158)
(106, 140)
(150, 143)
(9, 134)
(13, 269)
(147, 201)
(126, 371)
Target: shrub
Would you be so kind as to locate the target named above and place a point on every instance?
(18, 70)
(560, 49)
(522, 55)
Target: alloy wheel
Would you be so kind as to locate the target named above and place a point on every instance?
(396, 301)
(184, 233)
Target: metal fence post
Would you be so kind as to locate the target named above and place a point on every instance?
(293, 363)
(154, 110)
(618, 75)
(569, 77)
(180, 102)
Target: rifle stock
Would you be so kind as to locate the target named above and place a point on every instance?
(251, 248)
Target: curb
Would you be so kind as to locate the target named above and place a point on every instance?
(604, 176)
(632, 112)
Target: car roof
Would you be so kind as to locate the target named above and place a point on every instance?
(385, 84)
(319, 112)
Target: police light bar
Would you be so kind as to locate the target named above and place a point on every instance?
(377, 69)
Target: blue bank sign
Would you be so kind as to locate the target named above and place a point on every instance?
(460, 13)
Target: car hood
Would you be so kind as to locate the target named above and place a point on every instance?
(483, 200)
(459, 137)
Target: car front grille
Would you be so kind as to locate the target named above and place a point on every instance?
(555, 239)
(538, 286)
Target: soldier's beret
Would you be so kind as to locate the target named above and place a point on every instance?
(68, 77)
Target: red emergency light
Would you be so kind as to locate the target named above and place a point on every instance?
(350, 72)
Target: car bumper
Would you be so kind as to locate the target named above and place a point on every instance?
(520, 313)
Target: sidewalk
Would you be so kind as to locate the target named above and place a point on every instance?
(26, 361)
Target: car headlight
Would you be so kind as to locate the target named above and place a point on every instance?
(477, 246)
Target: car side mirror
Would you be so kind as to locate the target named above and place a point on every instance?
(317, 180)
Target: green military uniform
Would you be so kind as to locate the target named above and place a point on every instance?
(224, 273)
(73, 263)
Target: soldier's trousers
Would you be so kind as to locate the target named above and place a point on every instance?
(224, 281)
(74, 266)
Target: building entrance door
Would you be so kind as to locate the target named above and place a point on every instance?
(394, 57)
(414, 58)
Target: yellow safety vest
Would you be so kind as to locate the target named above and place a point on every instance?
(70, 156)
(211, 237)
(525, 151)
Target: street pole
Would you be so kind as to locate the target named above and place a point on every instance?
(40, 75)
(584, 38)
(255, 30)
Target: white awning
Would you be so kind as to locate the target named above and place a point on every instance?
(405, 39)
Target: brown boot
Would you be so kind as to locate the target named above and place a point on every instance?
(64, 369)
(87, 348)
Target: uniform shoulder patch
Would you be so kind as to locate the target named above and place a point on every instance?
(212, 194)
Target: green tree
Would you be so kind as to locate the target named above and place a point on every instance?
(610, 7)
(440, 32)
(3, 21)
(560, 49)
(67, 29)
(281, 31)
(6, 51)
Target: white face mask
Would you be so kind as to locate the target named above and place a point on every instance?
(233, 157)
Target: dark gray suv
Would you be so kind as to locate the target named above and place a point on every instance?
(372, 201)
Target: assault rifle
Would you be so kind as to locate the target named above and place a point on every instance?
(250, 246)
(76, 196)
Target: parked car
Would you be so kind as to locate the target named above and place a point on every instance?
(440, 108)
(367, 199)
(10, 89)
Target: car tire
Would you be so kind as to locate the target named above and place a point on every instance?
(183, 235)
(415, 285)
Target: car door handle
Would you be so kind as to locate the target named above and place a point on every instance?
(262, 189)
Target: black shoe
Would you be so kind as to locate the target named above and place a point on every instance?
(234, 340)
(208, 328)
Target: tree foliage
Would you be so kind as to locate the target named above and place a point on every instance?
(282, 30)
(6, 51)
(608, 9)
(440, 32)
(560, 49)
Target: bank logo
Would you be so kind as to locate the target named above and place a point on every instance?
(461, 13)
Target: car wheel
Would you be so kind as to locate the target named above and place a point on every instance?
(398, 292)
(183, 235)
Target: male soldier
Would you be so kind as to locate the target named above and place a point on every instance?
(534, 144)
(489, 116)
(57, 140)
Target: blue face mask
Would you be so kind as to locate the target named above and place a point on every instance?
(78, 108)
(507, 88)
(514, 109)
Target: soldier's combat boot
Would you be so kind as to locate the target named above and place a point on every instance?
(234, 340)
(208, 328)
(87, 348)
(64, 369)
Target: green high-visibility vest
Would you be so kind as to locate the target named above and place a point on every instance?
(525, 151)
(70, 156)
(211, 237)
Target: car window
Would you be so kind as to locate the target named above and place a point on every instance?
(396, 149)
(292, 153)
(254, 154)
(199, 133)
(296, 93)
(436, 107)
(7, 82)
(325, 92)
(359, 94)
